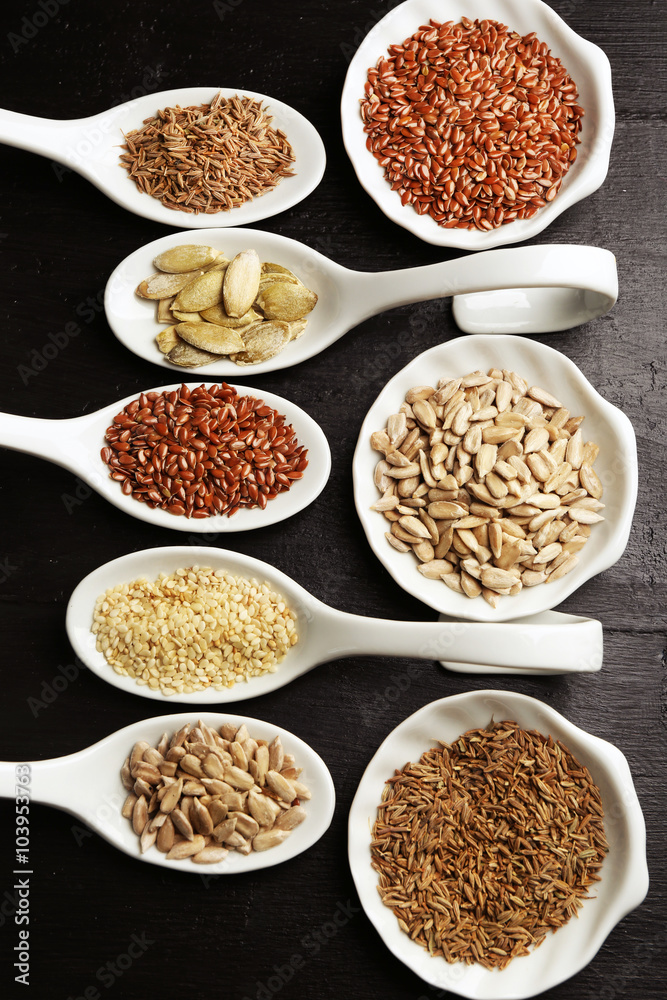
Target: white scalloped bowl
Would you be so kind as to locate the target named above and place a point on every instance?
(586, 63)
(605, 424)
(624, 874)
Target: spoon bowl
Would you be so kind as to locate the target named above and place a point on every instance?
(520, 290)
(561, 645)
(75, 444)
(91, 147)
(88, 785)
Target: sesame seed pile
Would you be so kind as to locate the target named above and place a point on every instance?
(194, 629)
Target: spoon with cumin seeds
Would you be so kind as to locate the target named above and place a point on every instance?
(93, 147)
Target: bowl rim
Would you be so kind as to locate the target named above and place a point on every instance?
(586, 175)
(490, 349)
(599, 756)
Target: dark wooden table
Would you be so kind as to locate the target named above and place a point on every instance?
(59, 240)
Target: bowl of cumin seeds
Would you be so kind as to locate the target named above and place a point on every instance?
(507, 821)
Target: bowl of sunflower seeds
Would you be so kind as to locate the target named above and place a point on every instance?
(492, 480)
(477, 124)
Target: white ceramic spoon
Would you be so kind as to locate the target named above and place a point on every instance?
(91, 147)
(572, 645)
(88, 785)
(75, 444)
(604, 424)
(521, 290)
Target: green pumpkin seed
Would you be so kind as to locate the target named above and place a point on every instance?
(167, 339)
(203, 292)
(286, 301)
(269, 268)
(217, 315)
(164, 314)
(188, 356)
(186, 317)
(297, 328)
(262, 341)
(161, 286)
(241, 283)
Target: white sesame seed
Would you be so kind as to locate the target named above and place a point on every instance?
(193, 630)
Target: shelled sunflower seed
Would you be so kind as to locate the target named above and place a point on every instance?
(201, 793)
(240, 309)
(489, 481)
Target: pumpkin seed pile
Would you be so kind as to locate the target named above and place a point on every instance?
(214, 307)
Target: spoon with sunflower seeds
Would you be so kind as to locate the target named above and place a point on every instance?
(515, 290)
(92, 784)
(92, 147)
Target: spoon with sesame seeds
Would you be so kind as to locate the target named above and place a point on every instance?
(92, 147)
(88, 785)
(545, 645)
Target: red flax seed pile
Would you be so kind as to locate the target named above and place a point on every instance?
(202, 451)
(487, 844)
(473, 124)
(209, 158)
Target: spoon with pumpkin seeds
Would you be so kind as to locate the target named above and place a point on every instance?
(513, 290)
(540, 645)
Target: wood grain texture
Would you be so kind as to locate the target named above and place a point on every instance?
(59, 240)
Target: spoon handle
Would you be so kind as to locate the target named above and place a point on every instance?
(539, 289)
(55, 440)
(49, 781)
(47, 137)
(568, 644)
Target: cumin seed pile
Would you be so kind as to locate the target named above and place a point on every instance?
(209, 158)
(487, 844)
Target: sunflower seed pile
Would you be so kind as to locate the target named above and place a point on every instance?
(201, 793)
(489, 482)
